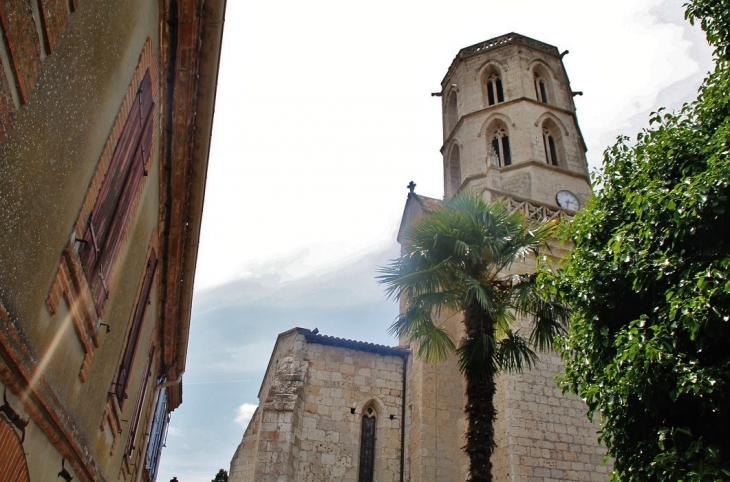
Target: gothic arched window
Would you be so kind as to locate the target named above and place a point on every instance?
(452, 115)
(551, 153)
(552, 142)
(495, 94)
(367, 445)
(540, 89)
(500, 146)
(541, 79)
(454, 170)
(492, 88)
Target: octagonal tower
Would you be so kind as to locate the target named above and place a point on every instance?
(509, 124)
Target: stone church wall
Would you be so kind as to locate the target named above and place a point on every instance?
(312, 401)
(541, 433)
(317, 388)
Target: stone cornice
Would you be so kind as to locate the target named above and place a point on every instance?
(495, 43)
(496, 108)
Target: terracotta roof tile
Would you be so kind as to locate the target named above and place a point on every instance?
(353, 344)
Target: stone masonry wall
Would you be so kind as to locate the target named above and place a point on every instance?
(308, 424)
(541, 434)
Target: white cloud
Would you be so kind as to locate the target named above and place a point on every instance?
(174, 432)
(245, 412)
(311, 153)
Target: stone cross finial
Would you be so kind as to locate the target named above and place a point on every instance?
(411, 186)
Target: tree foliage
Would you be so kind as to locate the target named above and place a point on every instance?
(456, 260)
(649, 282)
(221, 476)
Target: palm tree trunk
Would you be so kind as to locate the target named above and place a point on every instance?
(479, 410)
(481, 414)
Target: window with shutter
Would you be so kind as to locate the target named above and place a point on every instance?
(113, 210)
(130, 349)
(138, 408)
(158, 433)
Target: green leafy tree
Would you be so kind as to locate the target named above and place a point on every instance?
(221, 476)
(455, 259)
(649, 282)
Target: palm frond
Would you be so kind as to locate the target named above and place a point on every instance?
(452, 260)
(417, 322)
(408, 324)
(478, 357)
(549, 317)
(503, 321)
(405, 277)
(435, 344)
(549, 321)
(514, 353)
(475, 291)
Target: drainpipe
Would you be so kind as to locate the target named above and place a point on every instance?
(403, 421)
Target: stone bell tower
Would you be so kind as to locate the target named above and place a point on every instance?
(509, 132)
(510, 127)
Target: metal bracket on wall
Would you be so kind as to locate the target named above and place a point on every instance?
(13, 416)
(64, 474)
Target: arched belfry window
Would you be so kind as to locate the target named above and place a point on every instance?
(492, 85)
(452, 115)
(551, 154)
(500, 146)
(367, 445)
(541, 79)
(454, 170)
(495, 93)
(552, 142)
(540, 89)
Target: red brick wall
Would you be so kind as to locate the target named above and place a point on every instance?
(54, 19)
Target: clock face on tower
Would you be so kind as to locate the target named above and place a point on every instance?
(567, 200)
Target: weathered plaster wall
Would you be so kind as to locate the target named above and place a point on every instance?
(47, 162)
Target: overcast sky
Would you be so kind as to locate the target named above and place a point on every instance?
(323, 116)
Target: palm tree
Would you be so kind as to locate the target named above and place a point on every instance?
(455, 259)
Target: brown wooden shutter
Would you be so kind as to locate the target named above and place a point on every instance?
(129, 448)
(130, 349)
(113, 209)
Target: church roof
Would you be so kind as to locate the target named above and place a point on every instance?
(314, 337)
(353, 344)
(415, 206)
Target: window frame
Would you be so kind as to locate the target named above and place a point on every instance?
(495, 90)
(368, 438)
(130, 349)
(158, 433)
(114, 208)
(501, 147)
